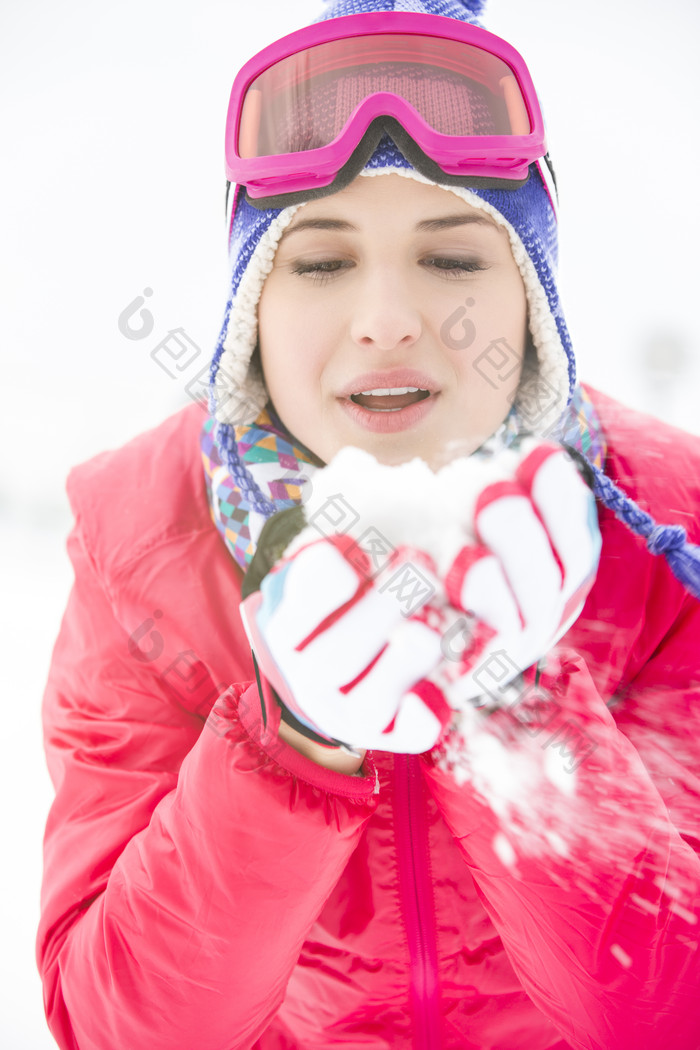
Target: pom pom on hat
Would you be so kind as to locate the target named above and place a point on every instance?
(463, 10)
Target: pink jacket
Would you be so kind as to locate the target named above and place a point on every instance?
(208, 888)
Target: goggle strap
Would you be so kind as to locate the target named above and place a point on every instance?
(546, 170)
(233, 191)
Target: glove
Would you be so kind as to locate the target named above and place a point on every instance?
(524, 582)
(339, 651)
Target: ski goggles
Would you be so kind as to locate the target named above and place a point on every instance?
(306, 112)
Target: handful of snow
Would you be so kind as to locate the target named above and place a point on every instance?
(405, 505)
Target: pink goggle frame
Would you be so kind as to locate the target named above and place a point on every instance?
(283, 80)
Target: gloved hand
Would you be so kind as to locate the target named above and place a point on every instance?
(525, 581)
(335, 645)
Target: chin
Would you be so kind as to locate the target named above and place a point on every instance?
(436, 454)
(395, 449)
(395, 452)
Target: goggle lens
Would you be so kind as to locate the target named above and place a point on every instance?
(304, 101)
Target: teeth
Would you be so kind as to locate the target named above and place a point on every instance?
(394, 390)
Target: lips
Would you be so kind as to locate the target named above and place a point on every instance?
(389, 399)
(398, 382)
(386, 402)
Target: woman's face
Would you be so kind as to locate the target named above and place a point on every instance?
(395, 320)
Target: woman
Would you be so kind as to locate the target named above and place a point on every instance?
(510, 864)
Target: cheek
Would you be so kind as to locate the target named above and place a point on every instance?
(299, 330)
(503, 311)
(517, 313)
(505, 315)
(495, 334)
(277, 334)
(290, 357)
(490, 313)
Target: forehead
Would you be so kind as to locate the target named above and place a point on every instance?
(404, 198)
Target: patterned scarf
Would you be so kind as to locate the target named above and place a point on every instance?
(281, 468)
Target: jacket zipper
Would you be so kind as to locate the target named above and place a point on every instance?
(417, 899)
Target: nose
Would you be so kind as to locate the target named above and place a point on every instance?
(385, 314)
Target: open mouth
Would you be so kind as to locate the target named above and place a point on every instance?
(389, 399)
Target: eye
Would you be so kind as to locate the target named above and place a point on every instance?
(453, 266)
(319, 270)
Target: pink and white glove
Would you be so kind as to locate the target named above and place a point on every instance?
(525, 581)
(338, 649)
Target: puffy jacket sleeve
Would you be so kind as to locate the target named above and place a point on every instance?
(579, 823)
(185, 859)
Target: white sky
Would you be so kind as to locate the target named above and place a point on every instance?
(112, 180)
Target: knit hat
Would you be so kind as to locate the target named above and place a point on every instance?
(527, 213)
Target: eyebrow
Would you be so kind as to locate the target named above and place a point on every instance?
(448, 221)
(319, 224)
(445, 222)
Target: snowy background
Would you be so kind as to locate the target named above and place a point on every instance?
(112, 182)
